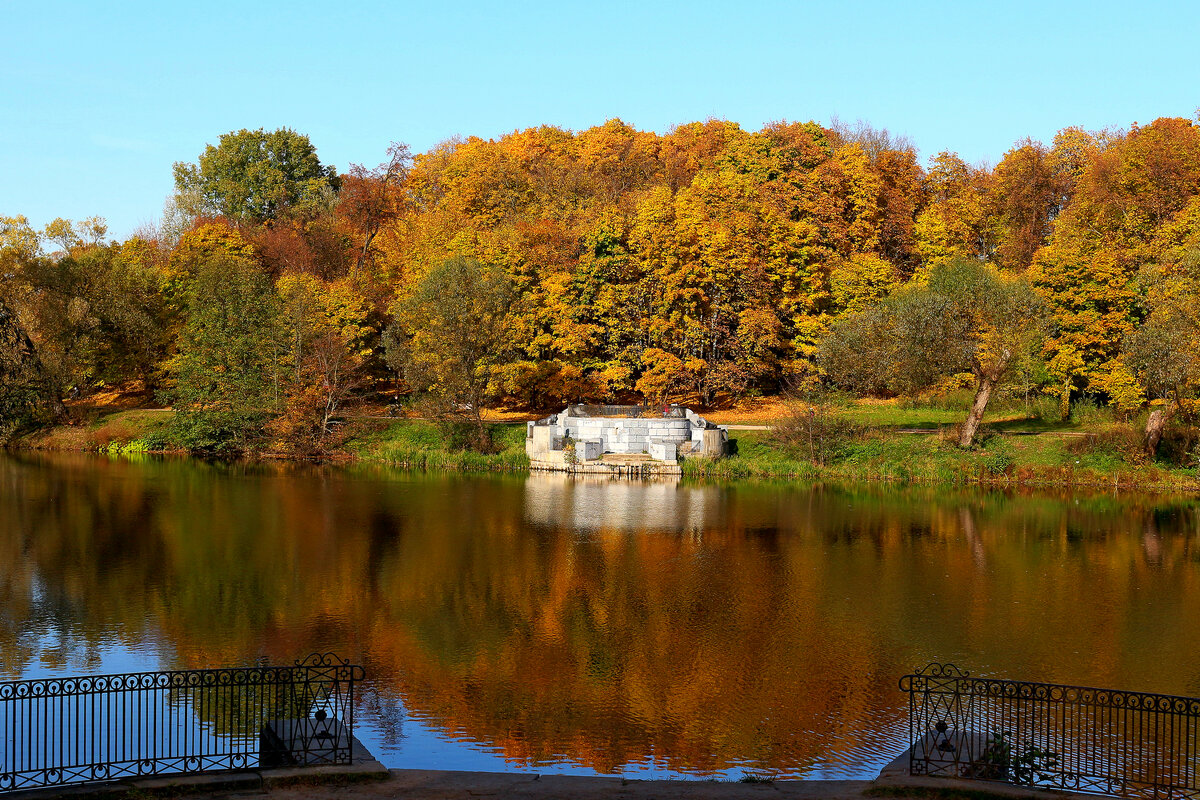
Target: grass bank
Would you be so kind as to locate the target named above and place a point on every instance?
(897, 442)
(406, 443)
(122, 431)
(1022, 445)
(1037, 460)
(418, 444)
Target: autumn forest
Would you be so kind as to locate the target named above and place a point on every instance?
(705, 265)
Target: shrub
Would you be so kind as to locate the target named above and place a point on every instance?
(1120, 441)
(103, 437)
(156, 441)
(1088, 413)
(814, 433)
(1045, 408)
(460, 435)
(998, 462)
(953, 400)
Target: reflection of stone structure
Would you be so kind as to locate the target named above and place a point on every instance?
(599, 503)
(581, 434)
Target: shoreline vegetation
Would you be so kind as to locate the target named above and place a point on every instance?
(1031, 323)
(839, 440)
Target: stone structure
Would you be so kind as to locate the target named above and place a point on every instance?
(583, 433)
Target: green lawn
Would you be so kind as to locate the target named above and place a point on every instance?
(419, 444)
(1018, 446)
(881, 453)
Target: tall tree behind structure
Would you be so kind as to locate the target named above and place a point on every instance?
(256, 176)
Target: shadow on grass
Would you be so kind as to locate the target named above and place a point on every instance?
(1033, 425)
(1016, 426)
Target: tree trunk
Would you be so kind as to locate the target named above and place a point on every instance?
(982, 394)
(482, 443)
(360, 261)
(1156, 425)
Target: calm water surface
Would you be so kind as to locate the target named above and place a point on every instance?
(586, 626)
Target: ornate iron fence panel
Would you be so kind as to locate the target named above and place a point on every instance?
(1077, 738)
(60, 731)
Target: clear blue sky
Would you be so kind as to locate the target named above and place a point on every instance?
(98, 99)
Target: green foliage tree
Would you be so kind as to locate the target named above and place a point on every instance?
(100, 314)
(256, 176)
(136, 331)
(1167, 360)
(71, 236)
(226, 371)
(968, 318)
(451, 339)
(324, 326)
(27, 395)
(1165, 350)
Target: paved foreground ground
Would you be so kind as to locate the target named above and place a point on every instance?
(367, 779)
(436, 785)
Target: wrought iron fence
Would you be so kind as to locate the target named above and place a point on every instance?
(72, 730)
(1077, 738)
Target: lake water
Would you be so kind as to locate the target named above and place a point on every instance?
(543, 623)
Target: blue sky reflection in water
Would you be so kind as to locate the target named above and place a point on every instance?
(643, 629)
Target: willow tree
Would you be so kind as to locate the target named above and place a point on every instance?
(968, 318)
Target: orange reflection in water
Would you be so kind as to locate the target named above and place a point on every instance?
(610, 625)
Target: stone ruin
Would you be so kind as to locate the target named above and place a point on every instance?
(583, 433)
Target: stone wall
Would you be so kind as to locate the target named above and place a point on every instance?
(689, 435)
(624, 435)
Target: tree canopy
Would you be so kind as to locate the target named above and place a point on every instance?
(967, 319)
(223, 386)
(450, 337)
(256, 176)
(1164, 351)
(703, 265)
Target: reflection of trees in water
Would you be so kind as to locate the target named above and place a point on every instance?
(385, 706)
(238, 702)
(751, 625)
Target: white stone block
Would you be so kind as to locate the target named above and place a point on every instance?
(663, 451)
(588, 450)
